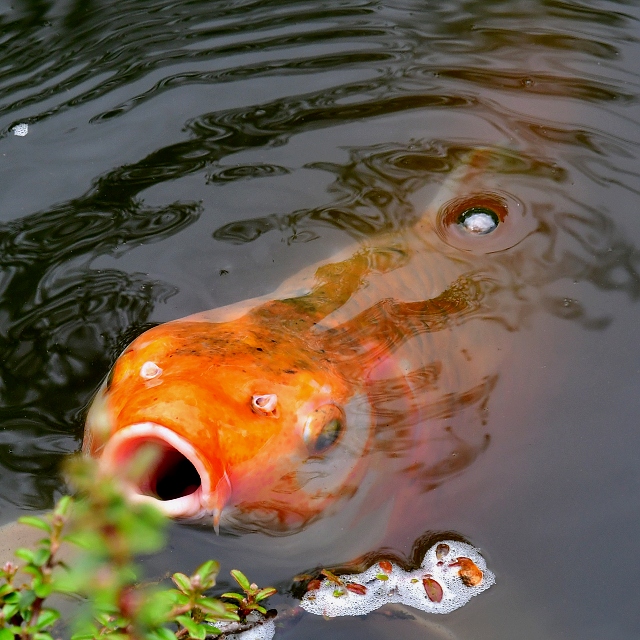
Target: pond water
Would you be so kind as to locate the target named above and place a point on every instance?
(181, 156)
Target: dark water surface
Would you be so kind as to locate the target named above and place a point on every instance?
(185, 155)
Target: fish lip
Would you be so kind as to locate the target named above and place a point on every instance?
(192, 505)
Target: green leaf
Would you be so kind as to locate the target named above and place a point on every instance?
(103, 618)
(212, 630)
(144, 533)
(33, 521)
(43, 589)
(25, 554)
(47, 617)
(257, 607)
(27, 598)
(235, 596)
(42, 635)
(331, 577)
(78, 539)
(162, 633)
(241, 579)
(195, 630)
(6, 634)
(229, 615)
(41, 556)
(86, 635)
(207, 573)
(265, 593)
(9, 610)
(211, 605)
(62, 508)
(182, 582)
(177, 597)
(5, 589)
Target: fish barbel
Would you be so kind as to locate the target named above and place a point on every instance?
(267, 413)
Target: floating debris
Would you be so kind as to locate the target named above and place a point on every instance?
(451, 573)
(470, 573)
(442, 550)
(20, 129)
(432, 589)
(386, 566)
(354, 587)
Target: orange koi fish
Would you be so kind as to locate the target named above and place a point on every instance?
(267, 413)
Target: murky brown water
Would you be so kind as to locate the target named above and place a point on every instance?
(184, 156)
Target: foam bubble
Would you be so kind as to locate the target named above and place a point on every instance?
(264, 629)
(450, 574)
(20, 129)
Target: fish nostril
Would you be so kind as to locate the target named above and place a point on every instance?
(265, 404)
(150, 370)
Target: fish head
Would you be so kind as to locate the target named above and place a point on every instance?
(250, 423)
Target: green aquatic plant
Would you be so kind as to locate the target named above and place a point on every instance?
(109, 533)
(110, 599)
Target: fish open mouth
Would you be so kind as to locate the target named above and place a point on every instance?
(160, 468)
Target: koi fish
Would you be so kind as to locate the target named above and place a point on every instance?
(267, 413)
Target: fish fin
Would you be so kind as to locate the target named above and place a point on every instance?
(383, 327)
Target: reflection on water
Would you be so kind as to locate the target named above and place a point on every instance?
(172, 142)
(62, 323)
(372, 191)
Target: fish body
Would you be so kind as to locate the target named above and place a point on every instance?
(268, 413)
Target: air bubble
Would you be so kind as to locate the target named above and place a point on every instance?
(484, 222)
(435, 587)
(479, 221)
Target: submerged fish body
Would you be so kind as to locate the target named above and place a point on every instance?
(269, 412)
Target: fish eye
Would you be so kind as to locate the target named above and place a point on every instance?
(265, 405)
(323, 428)
(150, 370)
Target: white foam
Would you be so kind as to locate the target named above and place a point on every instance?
(442, 571)
(264, 630)
(20, 129)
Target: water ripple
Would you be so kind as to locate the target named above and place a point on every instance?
(550, 86)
